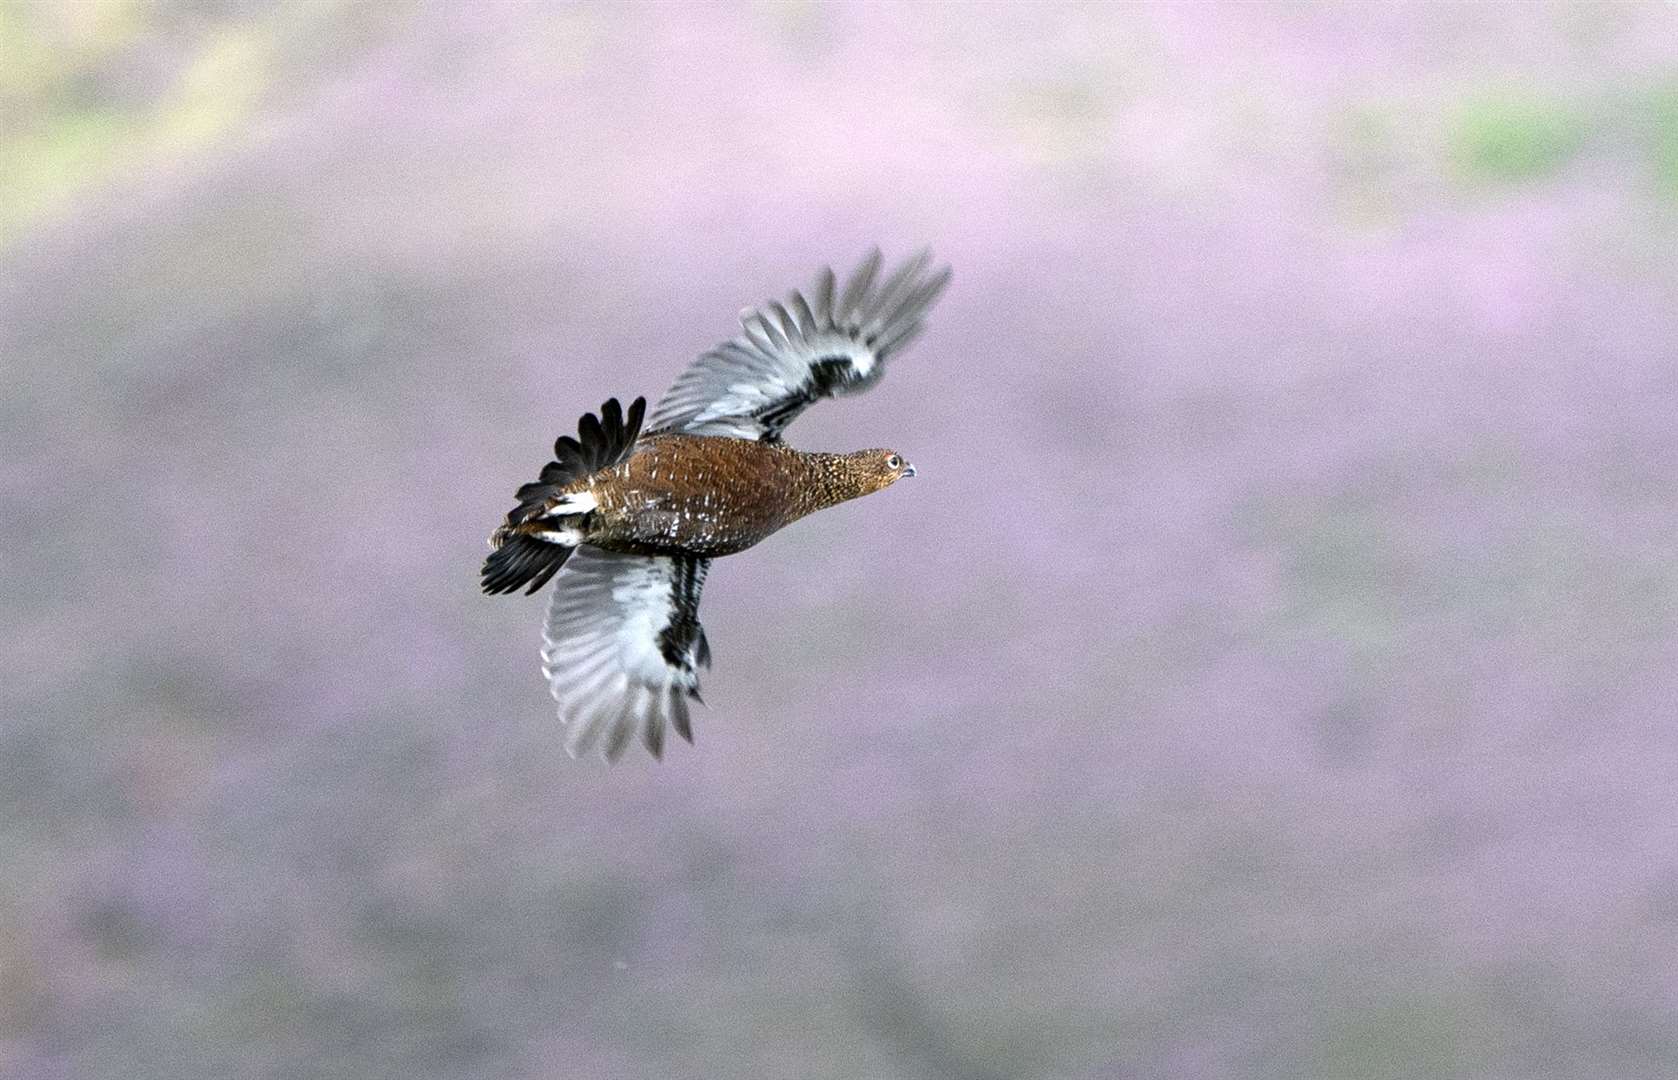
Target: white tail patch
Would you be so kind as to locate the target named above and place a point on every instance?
(579, 502)
(567, 537)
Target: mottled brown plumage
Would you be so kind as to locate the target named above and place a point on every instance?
(708, 496)
(631, 522)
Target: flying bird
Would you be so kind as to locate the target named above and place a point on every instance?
(628, 521)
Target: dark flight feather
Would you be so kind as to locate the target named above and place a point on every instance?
(601, 442)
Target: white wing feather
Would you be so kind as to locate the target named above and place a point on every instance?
(603, 654)
(791, 354)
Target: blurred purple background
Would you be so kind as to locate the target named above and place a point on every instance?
(1271, 674)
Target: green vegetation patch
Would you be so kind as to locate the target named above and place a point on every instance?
(1420, 1033)
(1663, 149)
(1509, 137)
(96, 88)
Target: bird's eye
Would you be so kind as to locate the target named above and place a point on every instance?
(894, 462)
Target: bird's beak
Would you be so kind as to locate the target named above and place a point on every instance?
(908, 470)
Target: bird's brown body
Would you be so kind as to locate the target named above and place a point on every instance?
(709, 496)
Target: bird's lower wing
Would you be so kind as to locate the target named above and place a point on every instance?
(622, 648)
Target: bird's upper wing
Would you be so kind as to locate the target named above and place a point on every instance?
(825, 342)
(622, 645)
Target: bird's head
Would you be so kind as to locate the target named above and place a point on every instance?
(875, 470)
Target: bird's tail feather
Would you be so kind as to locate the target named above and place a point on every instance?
(520, 557)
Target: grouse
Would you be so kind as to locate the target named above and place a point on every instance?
(629, 520)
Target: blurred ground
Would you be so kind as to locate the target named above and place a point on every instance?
(1271, 674)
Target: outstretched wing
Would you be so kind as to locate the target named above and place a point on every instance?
(622, 648)
(813, 346)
